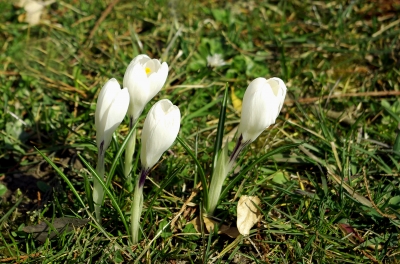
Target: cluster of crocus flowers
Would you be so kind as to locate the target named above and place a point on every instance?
(143, 79)
(262, 103)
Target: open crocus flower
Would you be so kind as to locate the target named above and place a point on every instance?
(144, 78)
(262, 103)
(111, 108)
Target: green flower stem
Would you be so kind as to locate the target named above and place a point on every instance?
(136, 211)
(130, 150)
(98, 192)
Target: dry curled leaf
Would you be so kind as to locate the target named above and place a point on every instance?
(248, 213)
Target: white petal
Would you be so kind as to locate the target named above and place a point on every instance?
(107, 94)
(278, 84)
(135, 79)
(159, 131)
(115, 115)
(142, 58)
(262, 103)
(157, 79)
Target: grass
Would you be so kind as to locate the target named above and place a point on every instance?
(326, 173)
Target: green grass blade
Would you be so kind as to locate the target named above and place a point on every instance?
(391, 113)
(6, 215)
(200, 111)
(200, 168)
(65, 178)
(118, 156)
(107, 191)
(163, 185)
(88, 192)
(220, 129)
(396, 146)
(251, 166)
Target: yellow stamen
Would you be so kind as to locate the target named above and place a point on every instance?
(148, 70)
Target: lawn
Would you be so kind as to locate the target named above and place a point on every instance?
(326, 172)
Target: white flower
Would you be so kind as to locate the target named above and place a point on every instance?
(111, 108)
(215, 60)
(262, 103)
(144, 78)
(160, 130)
(34, 10)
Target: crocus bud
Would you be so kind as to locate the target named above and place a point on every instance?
(111, 108)
(160, 130)
(144, 78)
(262, 103)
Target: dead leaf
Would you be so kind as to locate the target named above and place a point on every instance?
(43, 231)
(347, 229)
(211, 224)
(248, 213)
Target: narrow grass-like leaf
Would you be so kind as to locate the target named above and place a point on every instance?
(200, 111)
(243, 172)
(385, 167)
(62, 175)
(6, 215)
(118, 156)
(88, 192)
(107, 191)
(392, 114)
(199, 167)
(117, 159)
(396, 146)
(164, 184)
(220, 129)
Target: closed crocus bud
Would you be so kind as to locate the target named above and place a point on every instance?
(262, 104)
(160, 130)
(144, 78)
(111, 108)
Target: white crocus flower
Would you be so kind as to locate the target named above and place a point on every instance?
(111, 108)
(144, 78)
(262, 103)
(159, 132)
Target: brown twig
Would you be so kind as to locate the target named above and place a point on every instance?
(22, 258)
(372, 201)
(9, 73)
(101, 19)
(370, 257)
